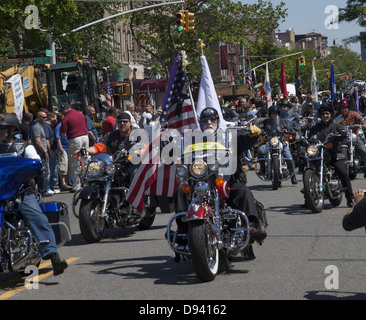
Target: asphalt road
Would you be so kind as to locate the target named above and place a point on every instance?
(305, 257)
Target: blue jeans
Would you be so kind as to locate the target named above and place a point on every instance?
(262, 153)
(38, 223)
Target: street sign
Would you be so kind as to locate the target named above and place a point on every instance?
(49, 53)
(41, 60)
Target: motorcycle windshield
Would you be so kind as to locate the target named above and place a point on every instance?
(275, 125)
(104, 157)
(287, 116)
(15, 171)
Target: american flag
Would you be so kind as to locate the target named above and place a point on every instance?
(109, 94)
(249, 75)
(178, 111)
(153, 176)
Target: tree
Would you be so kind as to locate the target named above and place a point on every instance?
(56, 18)
(355, 10)
(215, 20)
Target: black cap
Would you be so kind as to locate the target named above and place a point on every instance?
(124, 116)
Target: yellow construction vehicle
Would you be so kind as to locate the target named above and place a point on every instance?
(22, 90)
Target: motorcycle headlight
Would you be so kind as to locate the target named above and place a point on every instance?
(181, 171)
(78, 171)
(312, 150)
(110, 169)
(199, 168)
(94, 169)
(274, 141)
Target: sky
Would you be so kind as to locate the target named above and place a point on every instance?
(306, 16)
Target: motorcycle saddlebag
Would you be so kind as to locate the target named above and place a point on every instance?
(58, 217)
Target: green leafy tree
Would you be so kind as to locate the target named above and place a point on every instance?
(355, 10)
(215, 20)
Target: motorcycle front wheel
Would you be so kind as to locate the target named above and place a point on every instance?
(314, 197)
(91, 222)
(275, 172)
(204, 250)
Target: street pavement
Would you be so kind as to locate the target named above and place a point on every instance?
(305, 257)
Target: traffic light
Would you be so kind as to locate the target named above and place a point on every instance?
(302, 61)
(189, 21)
(181, 20)
(328, 75)
(121, 89)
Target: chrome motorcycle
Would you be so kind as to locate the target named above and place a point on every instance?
(216, 231)
(320, 179)
(353, 161)
(103, 198)
(276, 165)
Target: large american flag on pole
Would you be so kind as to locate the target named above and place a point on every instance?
(153, 176)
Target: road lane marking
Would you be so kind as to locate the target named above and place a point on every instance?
(14, 291)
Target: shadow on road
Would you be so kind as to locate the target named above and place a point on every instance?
(334, 295)
(161, 268)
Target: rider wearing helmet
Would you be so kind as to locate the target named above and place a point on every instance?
(29, 207)
(321, 130)
(268, 124)
(241, 197)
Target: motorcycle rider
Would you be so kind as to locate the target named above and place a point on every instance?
(267, 125)
(321, 130)
(352, 118)
(240, 197)
(116, 140)
(29, 207)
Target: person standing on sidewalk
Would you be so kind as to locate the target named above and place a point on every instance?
(73, 126)
(39, 141)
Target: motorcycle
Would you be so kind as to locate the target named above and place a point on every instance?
(353, 161)
(216, 231)
(320, 179)
(18, 247)
(276, 165)
(103, 198)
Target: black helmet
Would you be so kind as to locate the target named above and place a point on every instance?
(209, 113)
(285, 103)
(274, 109)
(9, 120)
(326, 107)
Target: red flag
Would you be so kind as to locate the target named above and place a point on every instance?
(283, 80)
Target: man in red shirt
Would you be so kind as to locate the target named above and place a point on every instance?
(109, 122)
(352, 118)
(73, 126)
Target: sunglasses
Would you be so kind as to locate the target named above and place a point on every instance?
(325, 114)
(205, 120)
(122, 121)
(3, 127)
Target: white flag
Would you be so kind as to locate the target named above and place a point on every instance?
(207, 96)
(314, 85)
(267, 87)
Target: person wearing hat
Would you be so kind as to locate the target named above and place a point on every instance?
(240, 197)
(267, 125)
(321, 130)
(29, 207)
(351, 118)
(116, 140)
